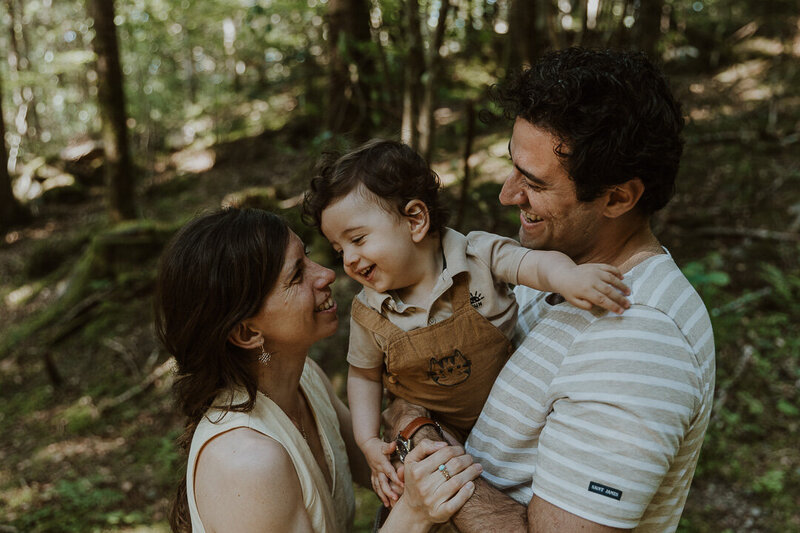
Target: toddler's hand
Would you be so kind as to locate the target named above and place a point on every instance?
(377, 454)
(593, 284)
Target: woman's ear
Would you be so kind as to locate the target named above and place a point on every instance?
(244, 337)
(622, 198)
(419, 220)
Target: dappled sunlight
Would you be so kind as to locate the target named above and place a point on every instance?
(19, 296)
(91, 447)
(700, 114)
(742, 71)
(760, 45)
(756, 93)
(193, 161)
(448, 173)
(12, 237)
(22, 496)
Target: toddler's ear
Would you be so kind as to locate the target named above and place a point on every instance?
(419, 220)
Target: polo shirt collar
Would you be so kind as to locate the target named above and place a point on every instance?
(454, 248)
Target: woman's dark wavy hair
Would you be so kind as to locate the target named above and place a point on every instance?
(392, 171)
(613, 113)
(214, 273)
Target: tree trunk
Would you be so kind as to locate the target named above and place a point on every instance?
(111, 97)
(412, 76)
(620, 36)
(11, 212)
(554, 31)
(525, 41)
(351, 67)
(426, 125)
(18, 62)
(465, 184)
(647, 28)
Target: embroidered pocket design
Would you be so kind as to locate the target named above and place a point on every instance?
(450, 370)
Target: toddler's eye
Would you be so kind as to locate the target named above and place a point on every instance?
(358, 239)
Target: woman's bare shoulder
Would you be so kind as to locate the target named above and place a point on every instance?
(243, 453)
(246, 478)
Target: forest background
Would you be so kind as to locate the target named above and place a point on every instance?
(122, 121)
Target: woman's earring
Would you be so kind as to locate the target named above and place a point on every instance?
(264, 356)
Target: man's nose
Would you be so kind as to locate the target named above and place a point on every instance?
(511, 193)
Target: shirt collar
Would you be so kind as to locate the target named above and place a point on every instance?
(454, 248)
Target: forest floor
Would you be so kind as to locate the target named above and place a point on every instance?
(89, 421)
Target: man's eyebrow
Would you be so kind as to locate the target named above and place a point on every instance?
(522, 171)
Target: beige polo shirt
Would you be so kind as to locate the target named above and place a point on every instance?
(492, 263)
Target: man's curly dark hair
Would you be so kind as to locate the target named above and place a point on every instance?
(392, 171)
(613, 113)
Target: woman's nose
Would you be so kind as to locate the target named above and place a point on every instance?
(324, 276)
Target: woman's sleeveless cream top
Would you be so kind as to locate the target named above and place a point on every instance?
(330, 511)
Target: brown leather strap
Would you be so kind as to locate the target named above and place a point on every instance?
(414, 425)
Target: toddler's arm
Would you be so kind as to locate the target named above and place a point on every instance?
(364, 393)
(581, 285)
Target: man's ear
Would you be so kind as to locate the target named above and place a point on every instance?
(419, 220)
(244, 337)
(622, 198)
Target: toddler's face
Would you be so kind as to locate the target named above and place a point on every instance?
(376, 246)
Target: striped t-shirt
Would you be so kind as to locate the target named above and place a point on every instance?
(604, 415)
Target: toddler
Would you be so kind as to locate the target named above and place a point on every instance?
(433, 321)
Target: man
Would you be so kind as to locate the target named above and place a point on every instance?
(596, 421)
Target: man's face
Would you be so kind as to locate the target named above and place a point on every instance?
(551, 216)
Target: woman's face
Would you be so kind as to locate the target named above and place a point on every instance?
(299, 310)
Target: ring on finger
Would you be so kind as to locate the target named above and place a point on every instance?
(443, 469)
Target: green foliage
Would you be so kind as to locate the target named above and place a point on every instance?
(76, 505)
(234, 69)
(707, 274)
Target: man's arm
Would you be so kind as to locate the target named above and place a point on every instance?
(489, 509)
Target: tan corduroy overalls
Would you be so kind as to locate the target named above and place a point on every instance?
(449, 367)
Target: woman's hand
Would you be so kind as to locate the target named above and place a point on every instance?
(438, 481)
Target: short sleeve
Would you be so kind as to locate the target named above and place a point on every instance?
(364, 350)
(626, 395)
(501, 254)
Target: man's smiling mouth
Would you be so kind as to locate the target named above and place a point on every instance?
(531, 218)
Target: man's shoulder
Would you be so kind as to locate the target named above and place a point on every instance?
(659, 285)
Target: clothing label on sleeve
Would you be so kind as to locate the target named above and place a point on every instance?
(604, 490)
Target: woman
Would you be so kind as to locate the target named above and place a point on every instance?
(239, 304)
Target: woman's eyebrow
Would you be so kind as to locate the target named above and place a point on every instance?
(298, 264)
